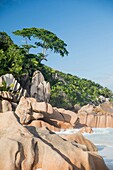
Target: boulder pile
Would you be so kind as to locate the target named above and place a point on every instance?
(28, 123)
(30, 148)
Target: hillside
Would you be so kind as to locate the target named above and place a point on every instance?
(66, 89)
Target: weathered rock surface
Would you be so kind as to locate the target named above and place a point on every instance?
(31, 148)
(86, 130)
(69, 156)
(40, 89)
(14, 86)
(80, 139)
(17, 146)
(76, 108)
(29, 109)
(106, 107)
(95, 120)
(5, 106)
(96, 116)
(69, 116)
(88, 109)
(5, 101)
(41, 124)
(6, 95)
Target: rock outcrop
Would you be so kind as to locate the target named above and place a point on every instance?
(5, 106)
(94, 120)
(86, 130)
(14, 86)
(5, 101)
(30, 148)
(78, 138)
(40, 89)
(69, 156)
(96, 116)
(6, 95)
(69, 116)
(39, 113)
(37, 88)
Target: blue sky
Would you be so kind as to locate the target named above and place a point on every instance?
(85, 25)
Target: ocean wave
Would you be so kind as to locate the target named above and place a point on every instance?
(67, 131)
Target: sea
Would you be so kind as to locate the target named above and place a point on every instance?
(103, 139)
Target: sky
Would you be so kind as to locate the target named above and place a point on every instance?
(86, 26)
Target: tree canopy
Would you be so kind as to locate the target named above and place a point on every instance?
(66, 90)
(44, 39)
(18, 60)
(14, 59)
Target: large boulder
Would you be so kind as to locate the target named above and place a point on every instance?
(41, 124)
(29, 110)
(80, 139)
(96, 120)
(58, 153)
(53, 125)
(29, 148)
(96, 116)
(106, 107)
(40, 89)
(6, 95)
(17, 146)
(5, 101)
(69, 116)
(87, 109)
(14, 86)
(5, 106)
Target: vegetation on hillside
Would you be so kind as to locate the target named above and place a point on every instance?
(66, 89)
(14, 59)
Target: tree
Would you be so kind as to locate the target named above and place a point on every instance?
(46, 40)
(11, 61)
(14, 59)
(5, 41)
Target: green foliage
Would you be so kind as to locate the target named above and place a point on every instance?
(11, 60)
(15, 60)
(45, 39)
(18, 61)
(4, 87)
(68, 90)
(27, 47)
(5, 41)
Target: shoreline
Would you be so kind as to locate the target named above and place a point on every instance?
(107, 153)
(102, 138)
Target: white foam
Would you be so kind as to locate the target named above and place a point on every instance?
(67, 131)
(103, 139)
